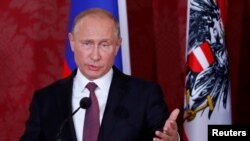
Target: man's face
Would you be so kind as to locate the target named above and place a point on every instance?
(94, 45)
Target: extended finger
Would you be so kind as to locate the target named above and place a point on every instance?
(174, 114)
(160, 136)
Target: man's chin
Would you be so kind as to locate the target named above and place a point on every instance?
(94, 75)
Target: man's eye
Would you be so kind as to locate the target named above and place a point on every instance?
(86, 44)
(104, 45)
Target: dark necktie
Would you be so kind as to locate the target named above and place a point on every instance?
(91, 123)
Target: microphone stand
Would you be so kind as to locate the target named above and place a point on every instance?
(84, 103)
(59, 134)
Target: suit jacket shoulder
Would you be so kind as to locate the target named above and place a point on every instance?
(49, 107)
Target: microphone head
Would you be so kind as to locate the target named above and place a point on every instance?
(85, 103)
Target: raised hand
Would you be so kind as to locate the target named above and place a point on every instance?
(170, 129)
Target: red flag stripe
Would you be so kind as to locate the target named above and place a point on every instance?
(194, 64)
(66, 69)
(201, 58)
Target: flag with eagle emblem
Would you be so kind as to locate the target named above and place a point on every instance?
(208, 94)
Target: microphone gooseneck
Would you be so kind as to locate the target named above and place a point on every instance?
(84, 104)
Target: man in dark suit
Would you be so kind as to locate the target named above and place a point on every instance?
(129, 109)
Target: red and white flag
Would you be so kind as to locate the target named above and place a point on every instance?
(208, 94)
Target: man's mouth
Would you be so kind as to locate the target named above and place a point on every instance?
(93, 68)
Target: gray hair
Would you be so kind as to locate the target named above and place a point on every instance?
(96, 12)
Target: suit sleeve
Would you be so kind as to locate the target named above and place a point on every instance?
(157, 112)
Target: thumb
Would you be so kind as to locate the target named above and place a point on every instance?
(174, 114)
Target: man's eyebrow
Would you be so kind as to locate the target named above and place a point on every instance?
(86, 40)
(106, 40)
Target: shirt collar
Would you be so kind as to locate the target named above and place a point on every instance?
(102, 82)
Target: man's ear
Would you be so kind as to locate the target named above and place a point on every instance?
(118, 45)
(71, 40)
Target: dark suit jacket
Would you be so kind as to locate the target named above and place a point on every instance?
(135, 109)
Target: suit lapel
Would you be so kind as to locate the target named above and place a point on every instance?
(116, 93)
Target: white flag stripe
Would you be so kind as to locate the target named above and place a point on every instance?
(199, 54)
(122, 8)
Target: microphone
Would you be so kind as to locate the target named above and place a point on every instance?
(84, 104)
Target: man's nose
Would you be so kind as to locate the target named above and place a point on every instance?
(95, 54)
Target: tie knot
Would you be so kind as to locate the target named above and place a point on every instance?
(91, 86)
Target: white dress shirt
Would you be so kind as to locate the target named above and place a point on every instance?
(79, 91)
